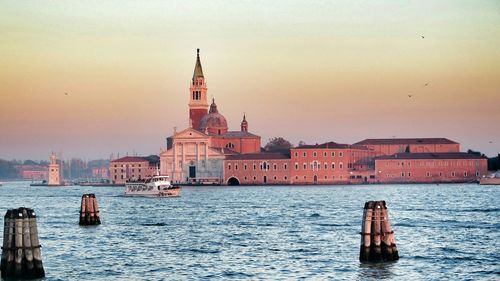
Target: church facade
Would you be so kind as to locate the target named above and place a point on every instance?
(196, 154)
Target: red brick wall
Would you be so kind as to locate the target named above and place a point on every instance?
(389, 149)
(429, 170)
(240, 145)
(277, 171)
(195, 115)
(325, 165)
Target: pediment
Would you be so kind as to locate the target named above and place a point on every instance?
(190, 133)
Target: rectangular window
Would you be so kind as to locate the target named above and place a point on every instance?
(236, 166)
(245, 167)
(324, 154)
(314, 154)
(285, 166)
(229, 167)
(296, 166)
(341, 154)
(305, 154)
(333, 165)
(275, 167)
(333, 154)
(305, 166)
(254, 167)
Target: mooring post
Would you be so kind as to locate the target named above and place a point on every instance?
(21, 255)
(89, 210)
(377, 237)
(366, 229)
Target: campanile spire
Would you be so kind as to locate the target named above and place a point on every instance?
(198, 104)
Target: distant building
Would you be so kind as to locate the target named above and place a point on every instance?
(132, 167)
(34, 172)
(100, 172)
(54, 171)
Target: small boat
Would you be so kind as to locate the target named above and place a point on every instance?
(492, 179)
(156, 186)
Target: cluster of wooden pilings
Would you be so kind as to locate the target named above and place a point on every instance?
(21, 253)
(89, 210)
(377, 237)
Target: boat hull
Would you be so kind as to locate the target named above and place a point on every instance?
(170, 192)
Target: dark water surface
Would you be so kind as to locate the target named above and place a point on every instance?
(279, 233)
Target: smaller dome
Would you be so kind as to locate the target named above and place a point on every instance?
(214, 122)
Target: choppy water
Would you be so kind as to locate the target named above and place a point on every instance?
(278, 233)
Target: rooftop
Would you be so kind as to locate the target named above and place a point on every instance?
(406, 141)
(330, 144)
(238, 134)
(153, 159)
(437, 156)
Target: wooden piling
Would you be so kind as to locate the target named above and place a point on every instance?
(377, 237)
(89, 210)
(21, 255)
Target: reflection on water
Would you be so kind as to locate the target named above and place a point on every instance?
(278, 232)
(375, 271)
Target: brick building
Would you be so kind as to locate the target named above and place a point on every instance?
(34, 172)
(257, 168)
(430, 167)
(132, 167)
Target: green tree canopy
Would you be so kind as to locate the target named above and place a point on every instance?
(278, 143)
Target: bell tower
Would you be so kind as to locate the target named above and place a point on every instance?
(198, 105)
(54, 176)
(244, 124)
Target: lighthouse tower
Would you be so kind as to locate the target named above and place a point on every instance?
(198, 104)
(54, 176)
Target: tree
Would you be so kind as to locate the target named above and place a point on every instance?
(278, 143)
(301, 143)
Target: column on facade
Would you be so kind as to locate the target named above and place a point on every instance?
(174, 159)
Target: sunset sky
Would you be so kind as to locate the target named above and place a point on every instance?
(305, 70)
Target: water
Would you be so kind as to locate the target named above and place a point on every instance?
(278, 233)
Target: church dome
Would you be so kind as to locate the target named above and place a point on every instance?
(213, 123)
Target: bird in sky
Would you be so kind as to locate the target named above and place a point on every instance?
(422, 36)
(426, 84)
(491, 142)
(66, 94)
(410, 96)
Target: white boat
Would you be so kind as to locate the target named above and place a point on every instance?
(156, 186)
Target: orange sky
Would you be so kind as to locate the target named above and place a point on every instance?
(314, 72)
